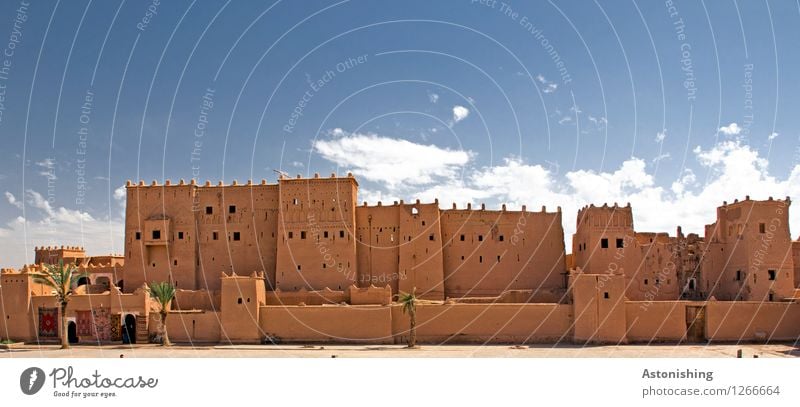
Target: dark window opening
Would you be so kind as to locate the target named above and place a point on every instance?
(232, 209)
(156, 234)
(341, 233)
(619, 243)
(762, 228)
(462, 238)
(291, 235)
(605, 295)
(180, 235)
(498, 259)
(604, 243)
(302, 234)
(325, 234)
(175, 262)
(771, 275)
(214, 235)
(423, 223)
(237, 236)
(298, 267)
(501, 238)
(480, 238)
(239, 301)
(138, 235)
(738, 275)
(209, 210)
(480, 259)
(645, 281)
(431, 238)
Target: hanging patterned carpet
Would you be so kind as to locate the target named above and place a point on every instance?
(102, 324)
(116, 327)
(84, 321)
(48, 322)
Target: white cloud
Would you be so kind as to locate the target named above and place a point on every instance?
(433, 97)
(394, 162)
(50, 225)
(13, 200)
(549, 87)
(772, 136)
(459, 113)
(48, 168)
(120, 193)
(660, 157)
(661, 136)
(732, 129)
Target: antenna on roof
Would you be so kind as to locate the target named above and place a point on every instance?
(279, 172)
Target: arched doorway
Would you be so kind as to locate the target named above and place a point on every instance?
(72, 332)
(129, 329)
(83, 281)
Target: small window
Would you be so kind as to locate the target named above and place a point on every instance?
(645, 281)
(604, 243)
(302, 234)
(423, 223)
(214, 235)
(237, 236)
(298, 267)
(239, 301)
(341, 233)
(498, 259)
(501, 238)
(462, 238)
(291, 235)
(771, 275)
(480, 259)
(175, 262)
(605, 295)
(156, 234)
(620, 244)
(738, 275)
(180, 235)
(138, 235)
(209, 210)
(480, 238)
(324, 265)
(325, 234)
(232, 209)
(431, 237)
(295, 201)
(762, 228)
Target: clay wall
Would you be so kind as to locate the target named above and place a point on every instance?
(194, 327)
(489, 252)
(328, 323)
(653, 322)
(752, 321)
(316, 234)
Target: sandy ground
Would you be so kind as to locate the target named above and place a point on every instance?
(395, 351)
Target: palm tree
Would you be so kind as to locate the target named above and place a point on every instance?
(409, 302)
(60, 278)
(163, 292)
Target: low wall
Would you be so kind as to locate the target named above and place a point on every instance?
(196, 300)
(328, 323)
(752, 321)
(193, 326)
(321, 297)
(662, 321)
(486, 323)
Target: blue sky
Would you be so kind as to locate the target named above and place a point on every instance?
(674, 107)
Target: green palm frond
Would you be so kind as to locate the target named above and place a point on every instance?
(59, 277)
(163, 292)
(408, 300)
